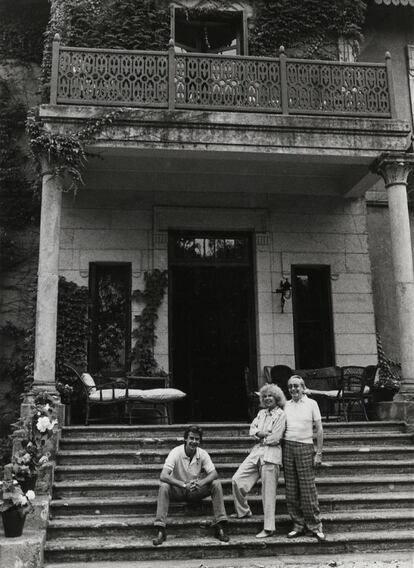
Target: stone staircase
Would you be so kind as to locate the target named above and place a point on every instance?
(106, 484)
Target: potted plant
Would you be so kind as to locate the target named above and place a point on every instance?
(15, 505)
(388, 382)
(32, 434)
(66, 391)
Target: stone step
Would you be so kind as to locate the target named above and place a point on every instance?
(134, 505)
(210, 429)
(114, 456)
(393, 559)
(213, 442)
(148, 487)
(142, 527)
(152, 471)
(87, 549)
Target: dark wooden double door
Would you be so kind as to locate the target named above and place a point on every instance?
(211, 335)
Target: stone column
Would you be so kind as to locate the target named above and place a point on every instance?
(394, 168)
(47, 283)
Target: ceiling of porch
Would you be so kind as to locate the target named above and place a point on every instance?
(198, 171)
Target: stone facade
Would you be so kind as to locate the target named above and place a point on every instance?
(330, 231)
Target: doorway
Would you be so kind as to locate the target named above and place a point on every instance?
(212, 324)
(312, 317)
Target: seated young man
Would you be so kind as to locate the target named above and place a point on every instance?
(189, 475)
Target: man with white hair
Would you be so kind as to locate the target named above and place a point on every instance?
(299, 460)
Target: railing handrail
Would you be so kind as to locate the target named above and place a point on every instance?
(115, 51)
(221, 57)
(284, 91)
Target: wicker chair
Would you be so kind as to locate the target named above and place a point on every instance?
(355, 390)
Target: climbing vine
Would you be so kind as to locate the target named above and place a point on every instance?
(65, 152)
(119, 24)
(22, 27)
(19, 205)
(306, 28)
(72, 325)
(142, 358)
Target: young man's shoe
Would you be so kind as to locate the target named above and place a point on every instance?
(265, 534)
(319, 536)
(161, 537)
(221, 532)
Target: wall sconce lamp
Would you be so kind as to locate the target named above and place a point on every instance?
(285, 291)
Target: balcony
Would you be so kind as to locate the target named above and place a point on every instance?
(295, 126)
(167, 80)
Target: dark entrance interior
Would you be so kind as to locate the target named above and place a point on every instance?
(312, 317)
(212, 325)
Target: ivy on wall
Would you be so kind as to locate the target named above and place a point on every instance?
(117, 24)
(72, 326)
(19, 205)
(142, 355)
(19, 213)
(306, 28)
(22, 27)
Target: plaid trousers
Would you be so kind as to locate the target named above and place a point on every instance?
(301, 495)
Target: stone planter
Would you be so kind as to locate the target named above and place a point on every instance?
(13, 521)
(383, 394)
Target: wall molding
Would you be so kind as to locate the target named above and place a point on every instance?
(209, 219)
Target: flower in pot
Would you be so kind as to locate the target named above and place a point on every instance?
(387, 383)
(15, 505)
(32, 434)
(66, 392)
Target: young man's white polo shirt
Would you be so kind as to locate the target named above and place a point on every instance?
(300, 417)
(186, 468)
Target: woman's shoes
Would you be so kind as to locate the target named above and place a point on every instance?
(265, 534)
(236, 516)
(295, 534)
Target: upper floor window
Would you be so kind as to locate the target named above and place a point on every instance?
(209, 32)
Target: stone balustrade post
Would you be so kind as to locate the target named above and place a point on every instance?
(47, 283)
(394, 168)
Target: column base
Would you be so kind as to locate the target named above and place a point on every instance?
(397, 410)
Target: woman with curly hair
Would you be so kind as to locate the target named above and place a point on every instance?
(264, 460)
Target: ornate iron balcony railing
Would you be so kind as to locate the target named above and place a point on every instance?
(214, 82)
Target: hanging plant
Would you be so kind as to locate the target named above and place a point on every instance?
(65, 152)
(142, 355)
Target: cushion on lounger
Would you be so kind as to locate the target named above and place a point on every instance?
(156, 395)
(107, 394)
(88, 381)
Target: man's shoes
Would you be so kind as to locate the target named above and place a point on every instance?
(161, 537)
(221, 532)
(265, 534)
(320, 536)
(295, 534)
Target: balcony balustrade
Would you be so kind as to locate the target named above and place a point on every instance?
(149, 79)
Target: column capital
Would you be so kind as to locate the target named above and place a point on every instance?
(394, 167)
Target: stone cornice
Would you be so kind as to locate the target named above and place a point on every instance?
(240, 132)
